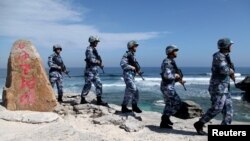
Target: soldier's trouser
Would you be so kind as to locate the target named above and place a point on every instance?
(172, 101)
(57, 78)
(89, 79)
(220, 103)
(131, 91)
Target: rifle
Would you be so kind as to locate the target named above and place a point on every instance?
(178, 71)
(65, 70)
(98, 57)
(63, 67)
(231, 65)
(132, 61)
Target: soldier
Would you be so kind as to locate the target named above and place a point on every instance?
(170, 75)
(129, 71)
(222, 70)
(57, 66)
(93, 61)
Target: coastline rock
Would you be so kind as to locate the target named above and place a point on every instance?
(189, 110)
(27, 86)
(98, 123)
(132, 125)
(244, 85)
(29, 117)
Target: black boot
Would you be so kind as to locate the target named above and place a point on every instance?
(199, 127)
(100, 102)
(125, 109)
(164, 123)
(169, 121)
(83, 101)
(136, 109)
(59, 99)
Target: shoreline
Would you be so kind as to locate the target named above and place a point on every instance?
(92, 122)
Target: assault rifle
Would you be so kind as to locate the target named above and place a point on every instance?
(132, 61)
(63, 67)
(178, 71)
(231, 65)
(98, 57)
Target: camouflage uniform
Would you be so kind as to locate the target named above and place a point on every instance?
(219, 91)
(171, 98)
(55, 74)
(91, 73)
(131, 90)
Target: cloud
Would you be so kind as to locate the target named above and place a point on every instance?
(47, 22)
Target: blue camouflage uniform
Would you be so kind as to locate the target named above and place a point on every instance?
(91, 73)
(131, 90)
(219, 90)
(171, 98)
(55, 74)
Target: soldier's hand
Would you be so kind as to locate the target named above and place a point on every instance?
(231, 71)
(182, 82)
(59, 67)
(98, 62)
(133, 68)
(177, 76)
(232, 76)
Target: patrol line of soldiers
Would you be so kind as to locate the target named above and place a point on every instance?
(222, 71)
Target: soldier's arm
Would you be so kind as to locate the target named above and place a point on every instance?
(51, 63)
(124, 64)
(167, 73)
(91, 57)
(223, 66)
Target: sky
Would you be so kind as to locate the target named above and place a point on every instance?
(194, 26)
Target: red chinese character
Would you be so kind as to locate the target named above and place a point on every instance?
(28, 83)
(27, 98)
(26, 68)
(23, 56)
(21, 45)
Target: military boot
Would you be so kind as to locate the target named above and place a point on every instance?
(59, 99)
(100, 102)
(164, 122)
(199, 127)
(169, 121)
(125, 109)
(135, 108)
(83, 101)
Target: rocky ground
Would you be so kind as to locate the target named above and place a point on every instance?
(72, 121)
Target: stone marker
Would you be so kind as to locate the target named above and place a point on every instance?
(27, 86)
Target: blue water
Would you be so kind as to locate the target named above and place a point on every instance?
(150, 95)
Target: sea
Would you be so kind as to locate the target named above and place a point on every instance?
(197, 80)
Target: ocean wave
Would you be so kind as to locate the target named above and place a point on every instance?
(159, 103)
(236, 74)
(114, 85)
(189, 80)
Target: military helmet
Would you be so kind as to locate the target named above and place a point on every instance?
(93, 39)
(132, 44)
(171, 48)
(57, 46)
(224, 43)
